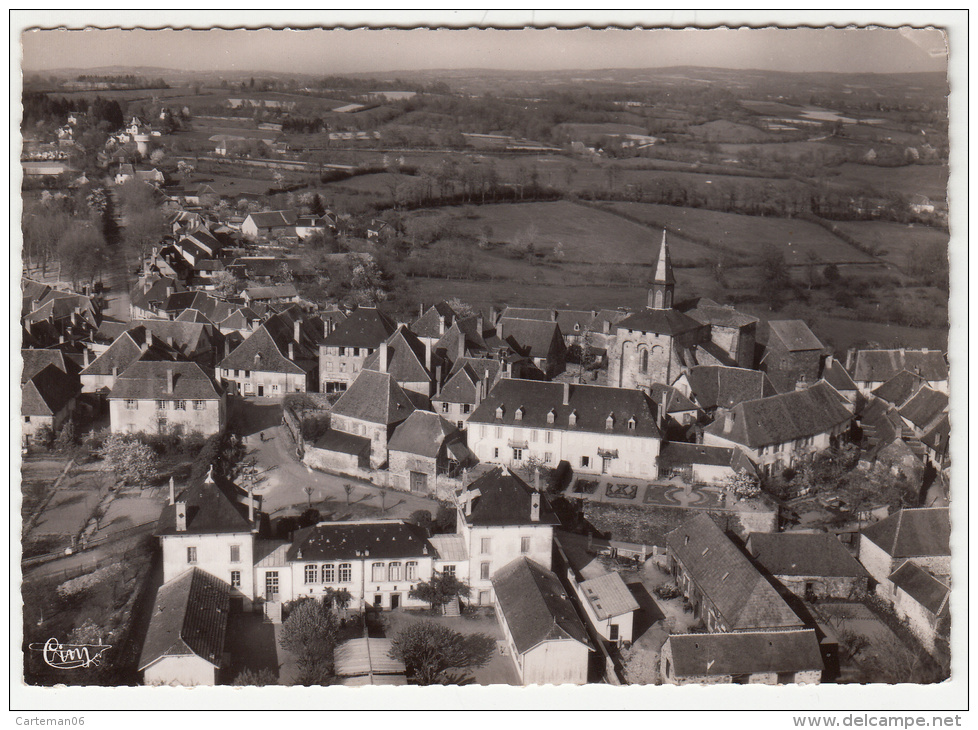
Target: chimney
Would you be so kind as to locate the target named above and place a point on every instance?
(173, 499)
(728, 421)
(437, 379)
(251, 503)
(499, 328)
(85, 357)
(427, 354)
(441, 324)
(149, 337)
(421, 310)
(181, 516)
(227, 346)
(297, 331)
(169, 381)
(169, 291)
(850, 358)
(468, 505)
(492, 316)
(566, 394)
(535, 506)
(169, 341)
(461, 345)
(383, 357)
(292, 351)
(536, 479)
(553, 315)
(115, 371)
(606, 327)
(61, 339)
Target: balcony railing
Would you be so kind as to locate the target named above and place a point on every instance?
(515, 444)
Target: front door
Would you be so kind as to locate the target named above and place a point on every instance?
(419, 481)
(271, 585)
(261, 390)
(605, 464)
(395, 601)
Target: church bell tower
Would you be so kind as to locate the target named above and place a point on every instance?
(664, 283)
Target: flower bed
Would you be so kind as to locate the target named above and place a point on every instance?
(622, 491)
(585, 486)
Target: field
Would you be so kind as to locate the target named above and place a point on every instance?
(378, 184)
(898, 243)
(724, 131)
(929, 180)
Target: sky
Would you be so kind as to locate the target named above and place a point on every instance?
(331, 51)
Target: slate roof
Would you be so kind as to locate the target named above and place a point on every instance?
(570, 321)
(460, 388)
(749, 652)
(742, 596)
(794, 335)
(709, 312)
(804, 554)
(280, 291)
(274, 218)
(936, 437)
(878, 366)
(156, 293)
(465, 329)
(47, 392)
(147, 380)
(449, 547)
(532, 337)
(35, 360)
(678, 454)
(215, 506)
(405, 358)
(187, 337)
(375, 397)
(783, 418)
(671, 400)
(504, 499)
(190, 616)
(913, 533)
(837, 376)
(591, 403)
(898, 389)
(342, 541)
(924, 407)
(424, 433)
(920, 585)
(343, 443)
(192, 315)
(124, 352)
(609, 596)
(267, 348)
(660, 321)
(363, 327)
(535, 606)
(715, 386)
(427, 325)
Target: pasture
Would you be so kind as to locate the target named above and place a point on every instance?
(929, 180)
(897, 243)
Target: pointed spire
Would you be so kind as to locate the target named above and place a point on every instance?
(663, 269)
(664, 283)
(209, 479)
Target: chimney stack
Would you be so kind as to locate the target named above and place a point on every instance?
(566, 394)
(173, 499)
(461, 345)
(85, 357)
(115, 371)
(297, 331)
(427, 355)
(492, 316)
(437, 378)
(499, 328)
(536, 479)
(227, 346)
(149, 337)
(420, 310)
(535, 506)
(169, 291)
(468, 505)
(441, 324)
(553, 315)
(383, 357)
(169, 381)
(181, 516)
(251, 503)
(292, 351)
(728, 421)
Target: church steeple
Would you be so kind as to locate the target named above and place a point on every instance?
(664, 283)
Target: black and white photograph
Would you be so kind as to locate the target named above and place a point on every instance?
(486, 352)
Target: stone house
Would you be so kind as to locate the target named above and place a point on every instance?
(166, 397)
(712, 387)
(921, 535)
(813, 566)
(923, 602)
(871, 368)
(344, 350)
(423, 448)
(792, 354)
(466, 387)
(733, 334)
(409, 360)
(540, 342)
(47, 400)
(609, 607)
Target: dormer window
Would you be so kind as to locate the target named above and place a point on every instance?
(551, 416)
(610, 421)
(577, 326)
(572, 418)
(631, 424)
(519, 413)
(499, 413)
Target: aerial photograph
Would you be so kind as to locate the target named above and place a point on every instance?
(483, 357)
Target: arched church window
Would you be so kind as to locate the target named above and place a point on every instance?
(644, 361)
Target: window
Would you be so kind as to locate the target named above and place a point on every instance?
(613, 632)
(342, 352)
(585, 462)
(411, 570)
(534, 436)
(644, 367)
(444, 407)
(517, 454)
(786, 677)
(235, 553)
(199, 405)
(235, 578)
(495, 453)
(247, 373)
(484, 571)
(519, 413)
(27, 419)
(631, 424)
(394, 572)
(524, 545)
(499, 432)
(483, 598)
(180, 405)
(342, 367)
(161, 405)
(346, 573)
(356, 352)
(547, 457)
(482, 432)
(377, 572)
(378, 600)
(448, 570)
(311, 574)
(466, 408)
(191, 555)
(551, 416)
(550, 437)
(329, 573)
(274, 387)
(131, 405)
(460, 425)
(487, 546)
(237, 373)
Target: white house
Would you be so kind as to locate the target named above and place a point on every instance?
(609, 606)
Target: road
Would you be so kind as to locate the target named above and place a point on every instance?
(284, 480)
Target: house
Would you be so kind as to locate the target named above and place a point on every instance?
(344, 350)
(133, 345)
(471, 378)
(199, 341)
(792, 354)
(573, 323)
(47, 400)
(211, 527)
(898, 390)
(272, 223)
(609, 606)
(367, 661)
(923, 602)
(750, 657)
(423, 448)
(922, 411)
(921, 535)
(184, 644)
(411, 362)
(539, 341)
(265, 294)
(543, 633)
(733, 333)
(835, 374)
(431, 324)
(469, 337)
(712, 386)
(703, 464)
(124, 174)
(166, 397)
(279, 357)
(871, 368)
(597, 429)
(813, 566)
(308, 226)
(782, 430)
(724, 588)
(148, 296)
(502, 518)
(658, 344)
(34, 361)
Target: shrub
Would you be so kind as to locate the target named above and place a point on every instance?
(667, 591)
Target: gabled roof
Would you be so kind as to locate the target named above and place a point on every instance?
(33, 290)
(215, 506)
(783, 418)
(590, 404)
(405, 358)
(424, 433)
(678, 454)
(837, 376)
(186, 337)
(794, 335)
(476, 342)
(267, 348)
(125, 351)
(570, 321)
(936, 437)
(716, 386)
(35, 360)
(47, 392)
(913, 533)
(375, 397)
(920, 585)
(741, 595)
(878, 366)
(366, 657)
(671, 400)
(500, 498)
(709, 312)
(363, 327)
(532, 337)
(344, 540)
(429, 323)
(609, 596)
(535, 606)
(147, 380)
(460, 388)
(274, 218)
(749, 652)
(193, 315)
(924, 407)
(804, 554)
(898, 389)
(659, 321)
(156, 293)
(189, 617)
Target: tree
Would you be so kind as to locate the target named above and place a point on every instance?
(316, 207)
(226, 282)
(774, 274)
(82, 252)
(442, 588)
(65, 441)
(250, 678)
(428, 650)
(744, 485)
(309, 633)
(421, 518)
(445, 519)
(348, 489)
(130, 459)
